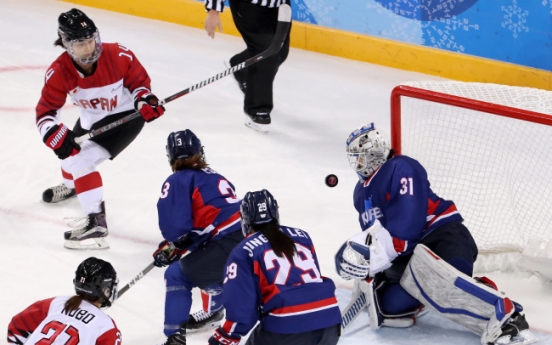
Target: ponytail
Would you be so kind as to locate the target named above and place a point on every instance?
(74, 302)
(280, 242)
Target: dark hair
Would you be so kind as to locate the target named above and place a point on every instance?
(194, 162)
(391, 154)
(280, 242)
(74, 302)
(59, 42)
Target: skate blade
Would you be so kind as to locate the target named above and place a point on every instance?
(89, 244)
(207, 327)
(524, 337)
(259, 128)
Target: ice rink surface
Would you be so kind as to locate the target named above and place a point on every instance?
(318, 100)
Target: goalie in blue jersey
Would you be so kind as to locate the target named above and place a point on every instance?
(273, 276)
(414, 252)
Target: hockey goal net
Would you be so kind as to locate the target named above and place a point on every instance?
(488, 148)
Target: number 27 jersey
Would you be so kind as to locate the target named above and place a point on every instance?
(45, 322)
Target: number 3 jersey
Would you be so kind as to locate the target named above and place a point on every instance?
(197, 206)
(399, 195)
(287, 297)
(45, 322)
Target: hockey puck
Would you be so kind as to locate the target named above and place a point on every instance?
(331, 180)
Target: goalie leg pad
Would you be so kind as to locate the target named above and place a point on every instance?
(455, 295)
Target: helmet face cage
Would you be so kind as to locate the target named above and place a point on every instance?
(367, 149)
(258, 208)
(183, 144)
(96, 277)
(80, 36)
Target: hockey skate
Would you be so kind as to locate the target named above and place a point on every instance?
(58, 193)
(258, 121)
(202, 321)
(90, 233)
(179, 338)
(515, 331)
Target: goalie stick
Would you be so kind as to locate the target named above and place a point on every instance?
(284, 22)
(356, 305)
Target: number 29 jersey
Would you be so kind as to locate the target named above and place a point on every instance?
(45, 322)
(288, 297)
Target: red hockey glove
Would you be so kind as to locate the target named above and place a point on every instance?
(62, 140)
(166, 254)
(221, 338)
(148, 106)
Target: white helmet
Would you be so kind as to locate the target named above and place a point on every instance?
(367, 149)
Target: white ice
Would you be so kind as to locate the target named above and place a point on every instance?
(319, 100)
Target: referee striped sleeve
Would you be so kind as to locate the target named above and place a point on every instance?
(217, 5)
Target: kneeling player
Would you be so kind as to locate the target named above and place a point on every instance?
(273, 276)
(404, 225)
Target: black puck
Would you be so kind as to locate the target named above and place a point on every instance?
(331, 180)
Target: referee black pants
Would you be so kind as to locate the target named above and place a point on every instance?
(257, 25)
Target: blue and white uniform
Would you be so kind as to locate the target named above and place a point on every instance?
(398, 194)
(286, 297)
(197, 206)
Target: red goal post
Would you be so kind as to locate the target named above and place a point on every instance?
(488, 148)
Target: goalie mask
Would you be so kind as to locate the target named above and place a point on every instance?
(80, 36)
(183, 144)
(95, 277)
(367, 149)
(258, 208)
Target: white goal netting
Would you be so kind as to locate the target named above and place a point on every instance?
(494, 162)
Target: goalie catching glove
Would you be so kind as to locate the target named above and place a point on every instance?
(148, 106)
(366, 254)
(166, 254)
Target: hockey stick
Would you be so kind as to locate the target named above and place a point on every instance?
(135, 280)
(284, 22)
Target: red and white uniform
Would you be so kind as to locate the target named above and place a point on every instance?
(45, 322)
(118, 80)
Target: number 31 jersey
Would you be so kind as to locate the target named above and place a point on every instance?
(288, 297)
(45, 322)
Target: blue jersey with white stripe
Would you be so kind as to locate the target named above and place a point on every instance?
(196, 206)
(399, 195)
(287, 297)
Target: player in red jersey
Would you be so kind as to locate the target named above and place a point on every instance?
(72, 320)
(107, 82)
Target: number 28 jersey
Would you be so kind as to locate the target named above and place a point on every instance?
(288, 297)
(45, 323)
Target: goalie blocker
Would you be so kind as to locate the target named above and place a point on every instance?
(464, 300)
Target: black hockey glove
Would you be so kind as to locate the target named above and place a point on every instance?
(166, 254)
(62, 140)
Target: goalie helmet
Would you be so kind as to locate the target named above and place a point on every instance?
(183, 144)
(258, 208)
(367, 149)
(97, 278)
(80, 36)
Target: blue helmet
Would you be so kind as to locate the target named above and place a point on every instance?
(258, 208)
(183, 144)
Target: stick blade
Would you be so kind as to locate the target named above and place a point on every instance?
(284, 13)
